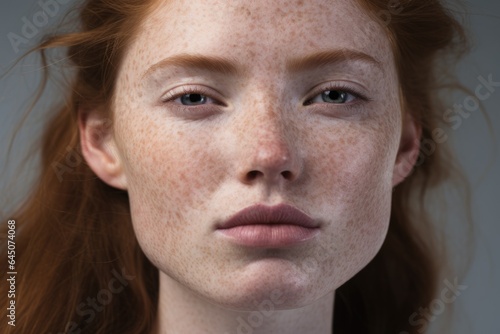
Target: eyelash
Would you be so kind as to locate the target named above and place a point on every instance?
(189, 90)
(341, 88)
(205, 92)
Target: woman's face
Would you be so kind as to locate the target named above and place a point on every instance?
(222, 105)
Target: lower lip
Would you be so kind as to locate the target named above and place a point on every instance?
(269, 235)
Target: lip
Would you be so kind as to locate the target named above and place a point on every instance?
(264, 226)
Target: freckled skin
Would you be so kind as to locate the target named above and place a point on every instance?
(185, 175)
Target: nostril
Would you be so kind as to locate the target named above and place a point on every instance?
(287, 174)
(252, 174)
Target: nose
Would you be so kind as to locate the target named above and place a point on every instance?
(268, 151)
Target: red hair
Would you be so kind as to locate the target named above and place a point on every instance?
(75, 234)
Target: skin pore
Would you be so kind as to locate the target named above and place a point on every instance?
(291, 102)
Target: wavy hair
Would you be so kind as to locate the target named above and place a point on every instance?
(75, 242)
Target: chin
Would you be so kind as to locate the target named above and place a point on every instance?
(273, 282)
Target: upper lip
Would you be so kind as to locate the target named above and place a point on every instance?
(263, 214)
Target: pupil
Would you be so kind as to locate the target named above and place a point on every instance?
(193, 99)
(334, 96)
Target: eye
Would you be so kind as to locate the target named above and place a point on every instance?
(193, 102)
(333, 96)
(193, 99)
(190, 96)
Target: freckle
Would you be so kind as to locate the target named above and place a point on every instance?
(350, 141)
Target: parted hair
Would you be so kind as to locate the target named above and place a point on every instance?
(74, 233)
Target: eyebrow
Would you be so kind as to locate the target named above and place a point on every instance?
(330, 57)
(230, 67)
(197, 62)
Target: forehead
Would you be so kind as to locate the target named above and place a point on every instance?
(257, 32)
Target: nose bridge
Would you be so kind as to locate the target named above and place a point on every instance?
(269, 144)
(267, 111)
(268, 150)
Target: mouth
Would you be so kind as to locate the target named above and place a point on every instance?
(269, 227)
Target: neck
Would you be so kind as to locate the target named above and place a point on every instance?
(181, 311)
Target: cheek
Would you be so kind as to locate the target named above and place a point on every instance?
(353, 163)
(355, 193)
(171, 177)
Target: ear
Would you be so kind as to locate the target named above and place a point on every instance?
(409, 149)
(99, 147)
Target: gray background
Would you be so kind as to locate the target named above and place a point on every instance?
(477, 308)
